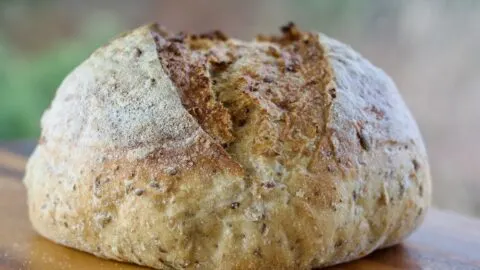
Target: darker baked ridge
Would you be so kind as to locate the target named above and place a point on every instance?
(224, 102)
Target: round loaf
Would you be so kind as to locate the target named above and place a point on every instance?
(200, 151)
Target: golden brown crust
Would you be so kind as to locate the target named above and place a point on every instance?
(199, 151)
(189, 73)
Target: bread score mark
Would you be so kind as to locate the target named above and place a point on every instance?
(265, 101)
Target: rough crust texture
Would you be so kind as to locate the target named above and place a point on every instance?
(199, 151)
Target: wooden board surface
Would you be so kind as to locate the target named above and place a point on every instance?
(445, 241)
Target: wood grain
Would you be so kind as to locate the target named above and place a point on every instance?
(445, 241)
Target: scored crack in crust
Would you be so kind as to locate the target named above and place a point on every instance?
(201, 151)
(235, 90)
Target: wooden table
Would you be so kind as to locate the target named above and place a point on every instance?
(445, 241)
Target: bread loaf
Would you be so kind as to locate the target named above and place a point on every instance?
(199, 151)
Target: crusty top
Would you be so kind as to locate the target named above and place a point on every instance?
(209, 83)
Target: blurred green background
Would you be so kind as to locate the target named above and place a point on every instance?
(429, 47)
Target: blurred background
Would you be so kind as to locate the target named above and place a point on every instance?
(430, 48)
